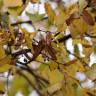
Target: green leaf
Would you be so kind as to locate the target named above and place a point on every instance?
(1, 4)
(91, 73)
(76, 50)
(4, 18)
(19, 84)
(82, 4)
(79, 91)
(35, 17)
(44, 71)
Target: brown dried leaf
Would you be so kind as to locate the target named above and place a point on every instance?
(51, 52)
(87, 17)
(49, 48)
(48, 39)
(70, 19)
(38, 48)
(4, 37)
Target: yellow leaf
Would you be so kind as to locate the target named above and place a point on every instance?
(28, 41)
(84, 42)
(50, 12)
(4, 37)
(72, 9)
(78, 28)
(12, 3)
(69, 87)
(28, 38)
(19, 84)
(5, 68)
(62, 53)
(12, 32)
(60, 22)
(91, 73)
(55, 76)
(2, 87)
(34, 1)
(2, 52)
(92, 31)
(40, 58)
(53, 65)
(59, 18)
(54, 88)
(5, 60)
(15, 10)
(44, 71)
(73, 68)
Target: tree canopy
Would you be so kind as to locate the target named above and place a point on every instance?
(40, 60)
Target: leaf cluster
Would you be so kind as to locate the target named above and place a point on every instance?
(40, 60)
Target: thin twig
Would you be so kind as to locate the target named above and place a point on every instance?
(21, 22)
(63, 39)
(28, 69)
(24, 51)
(90, 35)
(8, 81)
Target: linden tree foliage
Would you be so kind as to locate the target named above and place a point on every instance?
(40, 60)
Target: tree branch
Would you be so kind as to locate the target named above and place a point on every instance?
(30, 83)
